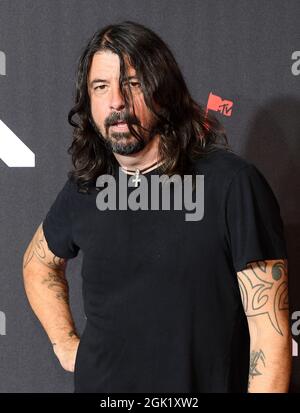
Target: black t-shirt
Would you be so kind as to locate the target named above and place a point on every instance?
(161, 295)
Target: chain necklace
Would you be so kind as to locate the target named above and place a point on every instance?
(137, 172)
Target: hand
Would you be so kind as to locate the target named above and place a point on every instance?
(66, 353)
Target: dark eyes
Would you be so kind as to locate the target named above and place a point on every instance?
(100, 87)
(133, 84)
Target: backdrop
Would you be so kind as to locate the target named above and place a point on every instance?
(241, 59)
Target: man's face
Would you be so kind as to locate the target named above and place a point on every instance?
(107, 105)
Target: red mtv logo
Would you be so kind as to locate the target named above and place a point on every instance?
(218, 104)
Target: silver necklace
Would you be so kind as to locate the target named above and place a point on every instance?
(138, 171)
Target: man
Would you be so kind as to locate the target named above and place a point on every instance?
(172, 305)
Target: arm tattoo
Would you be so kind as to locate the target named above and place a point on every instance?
(257, 363)
(59, 285)
(264, 290)
(37, 249)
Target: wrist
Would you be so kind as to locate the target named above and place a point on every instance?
(65, 340)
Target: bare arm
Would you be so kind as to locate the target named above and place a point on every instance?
(264, 292)
(48, 293)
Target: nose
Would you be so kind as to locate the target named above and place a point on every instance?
(117, 100)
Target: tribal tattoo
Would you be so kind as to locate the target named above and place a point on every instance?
(37, 248)
(264, 290)
(55, 280)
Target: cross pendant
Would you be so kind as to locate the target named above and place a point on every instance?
(136, 178)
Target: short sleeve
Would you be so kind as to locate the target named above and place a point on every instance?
(57, 225)
(254, 227)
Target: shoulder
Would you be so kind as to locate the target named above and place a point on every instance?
(223, 164)
(66, 190)
(227, 172)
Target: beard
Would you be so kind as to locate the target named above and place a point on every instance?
(124, 142)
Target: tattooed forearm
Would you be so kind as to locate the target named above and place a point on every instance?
(257, 365)
(264, 290)
(58, 283)
(38, 248)
(47, 290)
(264, 295)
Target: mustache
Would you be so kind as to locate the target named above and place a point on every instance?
(121, 117)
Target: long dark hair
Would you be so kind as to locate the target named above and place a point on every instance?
(187, 131)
